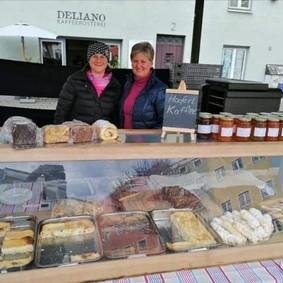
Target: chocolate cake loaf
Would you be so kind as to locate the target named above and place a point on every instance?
(23, 134)
(180, 197)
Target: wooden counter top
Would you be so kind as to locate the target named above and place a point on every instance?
(65, 152)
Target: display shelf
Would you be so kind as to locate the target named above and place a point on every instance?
(107, 269)
(65, 152)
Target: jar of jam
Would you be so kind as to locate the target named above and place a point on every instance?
(258, 128)
(244, 128)
(204, 125)
(252, 114)
(225, 129)
(273, 125)
(225, 113)
(280, 135)
(215, 125)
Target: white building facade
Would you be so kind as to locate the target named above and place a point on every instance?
(243, 35)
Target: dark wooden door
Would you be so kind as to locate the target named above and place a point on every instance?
(169, 50)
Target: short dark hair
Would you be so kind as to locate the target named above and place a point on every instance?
(143, 47)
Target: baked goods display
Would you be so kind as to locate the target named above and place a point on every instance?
(66, 240)
(129, 199)
(72, 207)
(16, 243)
(56, 133)
(179, 197)
(20, 132)
(182, 229)
(24, 134)
(240, 227)
(129, 233)
(80, 132)
(143, 201)
(66, 228)
(105, 130)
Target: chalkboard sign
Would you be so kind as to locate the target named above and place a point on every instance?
(180, 110)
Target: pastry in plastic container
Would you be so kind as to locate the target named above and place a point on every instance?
(67, 240)
(104, 130)
(17, 241)
(127, 234)
(183, 229)
(56, 134)
(21, 132)
(80, 132)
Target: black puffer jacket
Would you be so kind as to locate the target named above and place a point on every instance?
(78, 100)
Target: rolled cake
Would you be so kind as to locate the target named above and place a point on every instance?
(105, 130)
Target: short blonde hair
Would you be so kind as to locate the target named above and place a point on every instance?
(143, 47)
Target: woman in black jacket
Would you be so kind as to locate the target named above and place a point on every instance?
(91, 93)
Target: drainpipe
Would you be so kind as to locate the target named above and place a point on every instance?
(196, 39)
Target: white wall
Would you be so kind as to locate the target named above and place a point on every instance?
(125, 20)
(261, 30)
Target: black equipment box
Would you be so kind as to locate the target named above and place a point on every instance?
(239, 96)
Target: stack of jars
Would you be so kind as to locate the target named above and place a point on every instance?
(226, 127)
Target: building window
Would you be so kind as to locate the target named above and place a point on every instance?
(226, 206)
(256, 159)
(267, 191)
(234, 61)
(220, 173)
(52, 52)
(240, 5)
(237, 164)
(142, 245)
(245, 200)
(197, 162)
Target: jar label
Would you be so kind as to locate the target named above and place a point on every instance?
(204, 129)
(226, 132)
(243, 132)
(215, 128)
(259, 132)
(273, 132)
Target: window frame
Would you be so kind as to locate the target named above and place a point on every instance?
(220, 173)
(226, 206)
(244, 199)
(235, 49)
(63, 49)
(237, 164)
(263, 192)
(240, 7)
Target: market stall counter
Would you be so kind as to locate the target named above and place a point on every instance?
(138, 205)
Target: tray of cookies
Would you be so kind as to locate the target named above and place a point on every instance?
(183, 230)
(17, 241)
(67, 240)
(128, 234)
